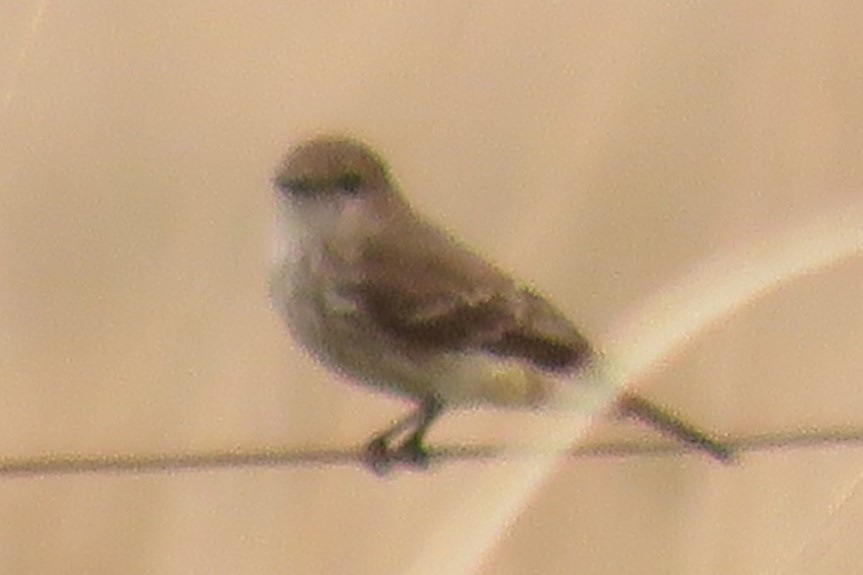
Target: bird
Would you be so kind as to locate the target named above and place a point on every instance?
(378, 293)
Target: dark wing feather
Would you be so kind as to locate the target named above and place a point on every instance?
(440, 296)
(543, 336)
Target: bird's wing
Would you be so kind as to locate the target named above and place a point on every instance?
(442, 296)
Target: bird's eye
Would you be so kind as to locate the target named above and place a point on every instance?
(349, 182)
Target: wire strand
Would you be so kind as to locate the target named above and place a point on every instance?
(273, 457)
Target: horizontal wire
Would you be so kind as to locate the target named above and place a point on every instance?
(272, 457)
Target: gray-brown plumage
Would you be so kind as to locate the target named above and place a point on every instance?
(376, 292)
(447, 299)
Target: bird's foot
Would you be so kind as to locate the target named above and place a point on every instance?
(380, 457)
(412, 452)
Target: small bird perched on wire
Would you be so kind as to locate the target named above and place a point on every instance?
(375, 291)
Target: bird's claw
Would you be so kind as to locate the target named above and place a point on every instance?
(414, 453)
(380, 458)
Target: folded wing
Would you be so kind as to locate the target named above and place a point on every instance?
(442, 296)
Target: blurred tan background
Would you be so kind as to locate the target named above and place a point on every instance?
(600, 149)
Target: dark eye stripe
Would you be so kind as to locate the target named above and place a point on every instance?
(296, 185)
(349, 181)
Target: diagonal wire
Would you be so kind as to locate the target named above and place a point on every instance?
(274, 457)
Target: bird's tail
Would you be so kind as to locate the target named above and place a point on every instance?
(632, 405)
(601, 387)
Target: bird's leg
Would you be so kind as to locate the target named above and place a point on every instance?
(632, 405)
(379, 454)
(412, 450)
